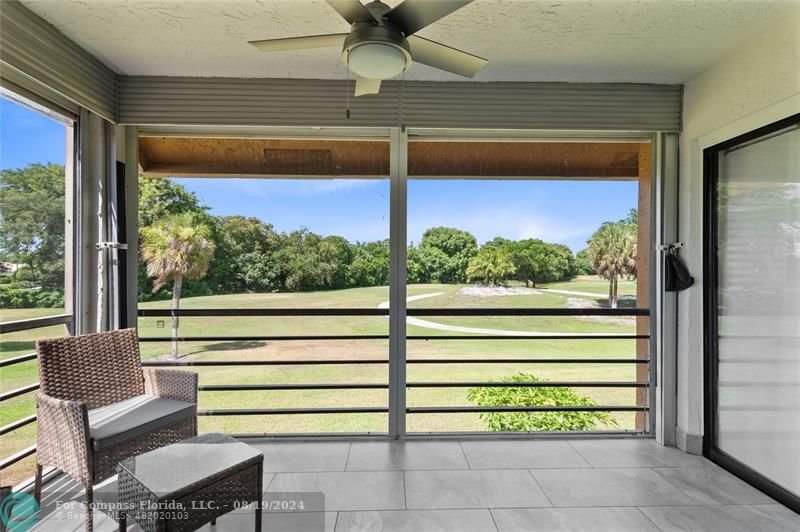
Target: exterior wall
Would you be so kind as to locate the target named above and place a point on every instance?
(756, 85)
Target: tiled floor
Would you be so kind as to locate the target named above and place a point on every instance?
(614, 485)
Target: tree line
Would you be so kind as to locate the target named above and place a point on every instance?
(251, 256)
(182, 241)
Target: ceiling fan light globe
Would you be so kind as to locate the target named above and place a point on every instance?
(375, 60)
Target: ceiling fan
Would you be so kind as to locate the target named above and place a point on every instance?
(381, 43)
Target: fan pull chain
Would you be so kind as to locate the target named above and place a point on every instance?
(347, 89)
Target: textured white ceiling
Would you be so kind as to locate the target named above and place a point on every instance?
(652, 41)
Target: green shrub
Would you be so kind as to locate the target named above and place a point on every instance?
(535, 396)
(14, 296)
(50, 299)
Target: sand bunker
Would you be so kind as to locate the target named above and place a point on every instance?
(494, 291)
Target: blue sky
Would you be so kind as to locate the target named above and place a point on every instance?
(566, 212)
(29, 137)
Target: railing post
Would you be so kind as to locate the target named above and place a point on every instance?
(398, 211)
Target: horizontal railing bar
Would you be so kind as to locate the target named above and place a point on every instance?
(282, 312)
(19, 391)
(379, 386)
(528, 361)
(263, 338)
(386, 337)
(599, 336)
(267, 387)
(528, 312)
(11, 427)
(345, 362)
(537, 384)
(16, 457)
(467, 409)
(157, 363)
(34, 323)
(244, 312)
(478, 435)
(293, 411)
(17, 360)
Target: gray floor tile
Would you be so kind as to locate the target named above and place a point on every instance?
(374, 490)
(521, 455)
(76, 523)
(380, 456)
(416, 521)
(276, 522)
(473, 489)
(572, 520)
(634, 453)
(608, 487)
(759, 518)
(302, 457)
(712, 485)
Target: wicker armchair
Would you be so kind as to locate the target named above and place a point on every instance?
(98, 406)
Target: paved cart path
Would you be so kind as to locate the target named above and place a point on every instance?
(410, 320)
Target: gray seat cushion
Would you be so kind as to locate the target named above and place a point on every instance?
(135, 417)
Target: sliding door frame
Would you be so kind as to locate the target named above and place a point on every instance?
(710, 316)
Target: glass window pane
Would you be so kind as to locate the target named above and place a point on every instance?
(506, 225)
(33, 156)
(758, 294)
(295, 224)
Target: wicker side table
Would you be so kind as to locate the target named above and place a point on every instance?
(187, 484)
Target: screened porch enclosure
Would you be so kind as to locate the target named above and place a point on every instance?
(343, 361)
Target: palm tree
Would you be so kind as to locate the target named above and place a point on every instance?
(612, 252)
(174, 248)
(491, 264)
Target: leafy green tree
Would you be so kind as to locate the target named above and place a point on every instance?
(537, 396)
(311, 262)
(499, 242)
(256, 272)
(583, 266)
(175, 248)
(491, 265)
(537, 261)
(416, 267)
(244, 260)
(370, 266)
(447, 252)
(32, 221)
(337, 252)
(612, 251)
(632, 218)
(160, 198)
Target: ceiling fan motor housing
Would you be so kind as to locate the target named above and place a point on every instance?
(376, 50)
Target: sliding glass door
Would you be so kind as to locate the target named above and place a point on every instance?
(753, 307)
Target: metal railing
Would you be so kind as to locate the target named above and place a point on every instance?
(285, 312)
(19, 326)
(65, 319)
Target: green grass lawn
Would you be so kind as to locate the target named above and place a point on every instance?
(591, 284)
(14, 344)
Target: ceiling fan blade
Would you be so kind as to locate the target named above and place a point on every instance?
(300, 43)
(367, 86)
(413, 15)
(351, 10)
(443, 57)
